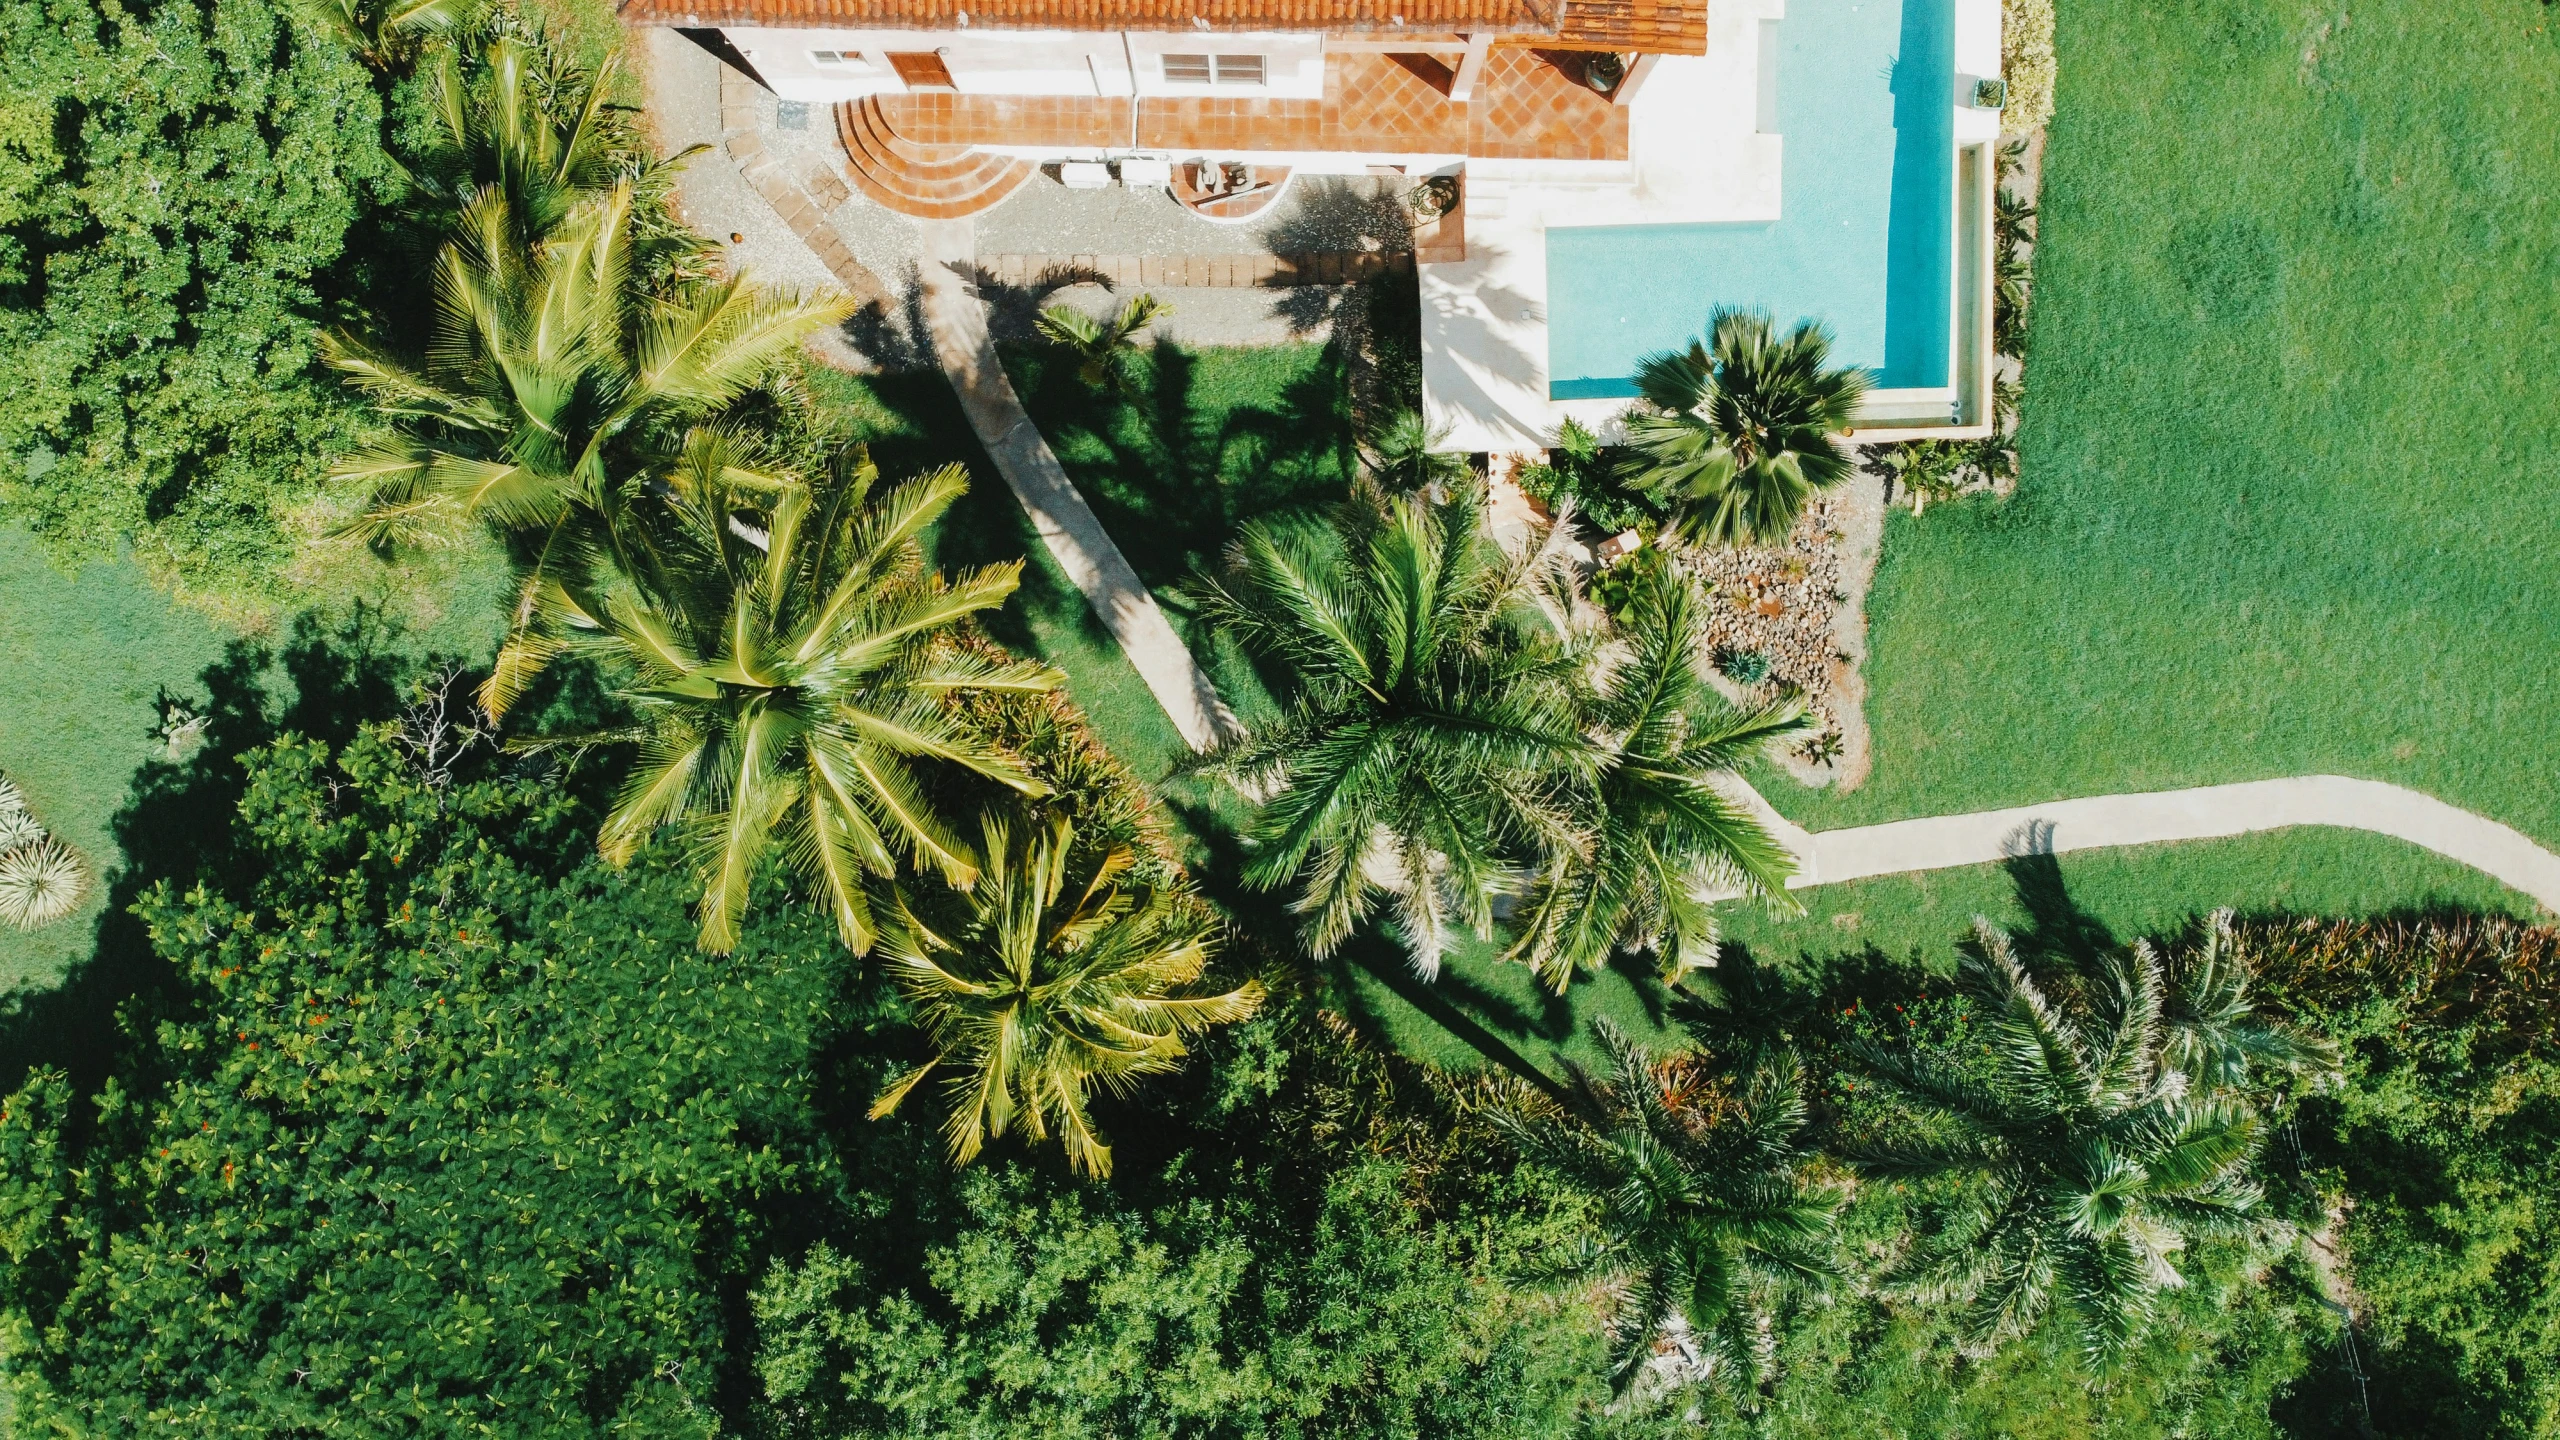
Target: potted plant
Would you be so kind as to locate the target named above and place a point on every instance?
(1436, 196)
(1605, 71)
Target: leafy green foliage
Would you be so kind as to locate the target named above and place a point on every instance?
(178, 182)
(1047, 1314)
(444, 1147)
(1706, 1214)
(1104, 351)
(2096, 1162)
(1579, 471)
(2440, 1143)
(1051, 977)
(778, 639)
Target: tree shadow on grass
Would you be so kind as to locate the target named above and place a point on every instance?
(324, 682)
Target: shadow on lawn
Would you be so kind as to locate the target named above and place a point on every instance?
(325, 682)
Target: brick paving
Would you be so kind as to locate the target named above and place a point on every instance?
(802, 200)
(1262, 271)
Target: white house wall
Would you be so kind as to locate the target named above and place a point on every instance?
(1024, 62)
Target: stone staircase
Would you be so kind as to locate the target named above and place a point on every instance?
(930, 182)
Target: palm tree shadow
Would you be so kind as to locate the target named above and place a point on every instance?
(2056, 927)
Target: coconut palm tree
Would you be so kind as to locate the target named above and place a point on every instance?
(1055, 975)
(1103, 349)
(1705, 1211)
(1665, 842)
(1434, 726)
(788, 681)
(1402, 459)
(382, 32)
(1734, 435)
(552, 396)
(2092, 1160)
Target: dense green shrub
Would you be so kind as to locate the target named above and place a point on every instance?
(179, 183)
(2437, 1157)
(450, 1142)
(1579, 471)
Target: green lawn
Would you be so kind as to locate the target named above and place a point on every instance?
(2288, 488)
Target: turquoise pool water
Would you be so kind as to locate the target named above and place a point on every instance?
(1866, 234)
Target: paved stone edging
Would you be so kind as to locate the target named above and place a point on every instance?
(1240, 271)
(803, 203)
(2206, 812)
(1067, 525)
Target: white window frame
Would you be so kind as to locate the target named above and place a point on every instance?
(1217, 70)
(841, 61)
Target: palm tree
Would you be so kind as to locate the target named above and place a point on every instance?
(382, 32)
(552, 396)
(2210, 1032)
(788, 681)
(1733, 440)
(1666, 842)
(1103, 348)
(1402, 458)
(2094, 1162)
(1705, 1211)
(1055, 976)
(1434, 721)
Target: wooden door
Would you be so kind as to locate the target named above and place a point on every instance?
(922, 69)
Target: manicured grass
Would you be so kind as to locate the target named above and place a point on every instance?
(88, 656)
(1204, 441)
(2288, 489)
(90, 653)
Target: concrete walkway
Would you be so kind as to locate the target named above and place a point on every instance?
(1067, 525)
(2205, 813)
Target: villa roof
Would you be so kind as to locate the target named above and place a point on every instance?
(1661, 26)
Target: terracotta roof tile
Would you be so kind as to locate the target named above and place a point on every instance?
(1669, 25)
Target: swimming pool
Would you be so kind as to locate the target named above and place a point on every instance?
(1865, 237)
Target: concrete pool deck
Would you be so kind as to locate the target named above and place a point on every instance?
(1700, 154)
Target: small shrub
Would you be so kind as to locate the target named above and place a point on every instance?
(2026, 62)
(1823, 749)
(1615, 588)
(1744, 667)
(17, 828)
(40, 883)
(1580, 471)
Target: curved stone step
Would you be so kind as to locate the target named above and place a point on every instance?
(930, 182)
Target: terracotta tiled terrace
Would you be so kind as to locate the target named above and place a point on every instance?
(1529, 105)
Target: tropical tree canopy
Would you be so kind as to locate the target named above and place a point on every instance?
(1734, 435)
(789, 662)
(1705, 1211)
(2093, 1162)
(1055, 976)
(1436, 717)
(1664, 843)
(555, 393)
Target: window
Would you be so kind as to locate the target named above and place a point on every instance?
(1213, 70)
(838, 60)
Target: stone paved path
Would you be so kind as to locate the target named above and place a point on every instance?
(1067, 525)
(2204, 813)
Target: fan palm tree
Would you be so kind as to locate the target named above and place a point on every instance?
(2094, 1161)
(788, 682)
(552, 395)
(1665, 840)
(1705, 1212)
(1103, 349)
(1434, 723)
(1735, 435)
(1055, 976)
(1402, 458)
